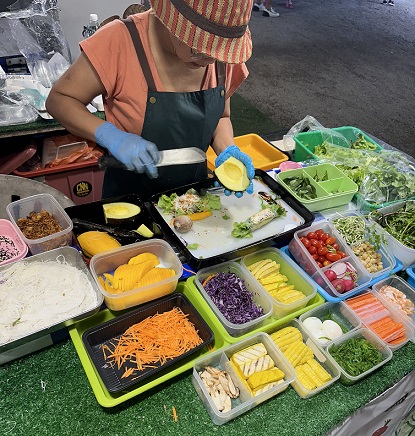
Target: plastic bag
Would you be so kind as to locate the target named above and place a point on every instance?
(309, 123)
(13, 110)
(383, 173)
(40, 39)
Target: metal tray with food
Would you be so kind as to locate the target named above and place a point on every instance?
(208, 227)
(52, 290)
(110, 399)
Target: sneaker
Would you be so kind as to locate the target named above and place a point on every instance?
(270, 13)
(385, 2)
(391, 3)
(260, 7)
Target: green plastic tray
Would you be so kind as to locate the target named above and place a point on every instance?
(108, 399)
(269, 324)
(336, 191)
(306, 142)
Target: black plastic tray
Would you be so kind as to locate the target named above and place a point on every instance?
(103, 334)
(278, 240)
(93, 212)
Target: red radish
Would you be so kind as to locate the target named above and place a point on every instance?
(338, 285)
(339, 268)
(350, 267)
(330, 274)
(348, 284)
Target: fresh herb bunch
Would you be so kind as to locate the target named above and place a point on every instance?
(302, 187)
(400, 224)
(356, 355)
(362, 144)
(382, 176)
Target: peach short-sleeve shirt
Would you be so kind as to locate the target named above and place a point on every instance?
(112, 54)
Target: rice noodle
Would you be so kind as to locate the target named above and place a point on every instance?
(36, 295)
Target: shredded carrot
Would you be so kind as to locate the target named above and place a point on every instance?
(152, 342)
(207, 279)
(189, 271)
(173, 409)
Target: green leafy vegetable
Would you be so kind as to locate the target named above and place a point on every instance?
(190, 202)
(356, 355)
(193, 246)
(302, 187)
(362, 144)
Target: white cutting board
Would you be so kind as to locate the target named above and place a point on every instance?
(213, 234)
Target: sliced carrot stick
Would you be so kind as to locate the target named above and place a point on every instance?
(197, 216)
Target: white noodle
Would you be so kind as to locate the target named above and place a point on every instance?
(37, 295)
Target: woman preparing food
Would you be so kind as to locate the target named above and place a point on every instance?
(166, 76)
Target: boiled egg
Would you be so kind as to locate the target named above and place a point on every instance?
(331, 329)
(312, 324)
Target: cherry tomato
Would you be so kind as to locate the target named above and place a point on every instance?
(305, 241)
(327, 263)
(321, 259)
(336, 246)
(314, 256)
(324, 236)
(311, 235)
(312, 250)
(317, 243)
(319, 264)
(333, 257)
(331, 240)
(319, 232)
(322, 251)
(342, 254)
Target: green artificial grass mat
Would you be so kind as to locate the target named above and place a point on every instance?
(48, 393)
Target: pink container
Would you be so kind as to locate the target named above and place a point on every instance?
(11, 243)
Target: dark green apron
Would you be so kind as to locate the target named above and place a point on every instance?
(172, 120)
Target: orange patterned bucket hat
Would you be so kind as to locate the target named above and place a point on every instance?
(217, 28)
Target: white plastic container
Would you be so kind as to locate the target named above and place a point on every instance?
(296, 276)
(396, 316)
(320, 356)
(259, 296)
(36, 203)
(221, 359)
(405, 254)
(108, 261)
(339, 312)
(308, 264)
(401, 285)
(365, 333)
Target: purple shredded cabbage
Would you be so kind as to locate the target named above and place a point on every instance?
(231, 297)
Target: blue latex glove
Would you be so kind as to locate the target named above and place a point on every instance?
(132, 150)
(234, 151)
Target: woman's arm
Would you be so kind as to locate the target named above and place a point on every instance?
(223, 135)
(71, 94)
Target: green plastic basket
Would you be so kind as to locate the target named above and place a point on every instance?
(306, 142)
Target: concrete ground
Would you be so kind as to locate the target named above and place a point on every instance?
(345, 62)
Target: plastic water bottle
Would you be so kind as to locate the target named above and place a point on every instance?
(92, 26)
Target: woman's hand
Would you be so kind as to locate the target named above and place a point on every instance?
(234, 151)
(136, 153)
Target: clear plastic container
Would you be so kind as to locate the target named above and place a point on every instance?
(365, 333)
(388, 260)
(292, 271)
(108, 261)
(304, 259)
(259, 296)
(396, 316)
(411, 275)
(405, 254)
(36, 203)
(320, 356)
(401, 285)
(221, 359)
(337, 312)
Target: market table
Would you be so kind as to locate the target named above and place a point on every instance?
(48, 393)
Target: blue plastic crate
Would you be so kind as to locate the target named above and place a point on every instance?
(411, 275)
(328, 297)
